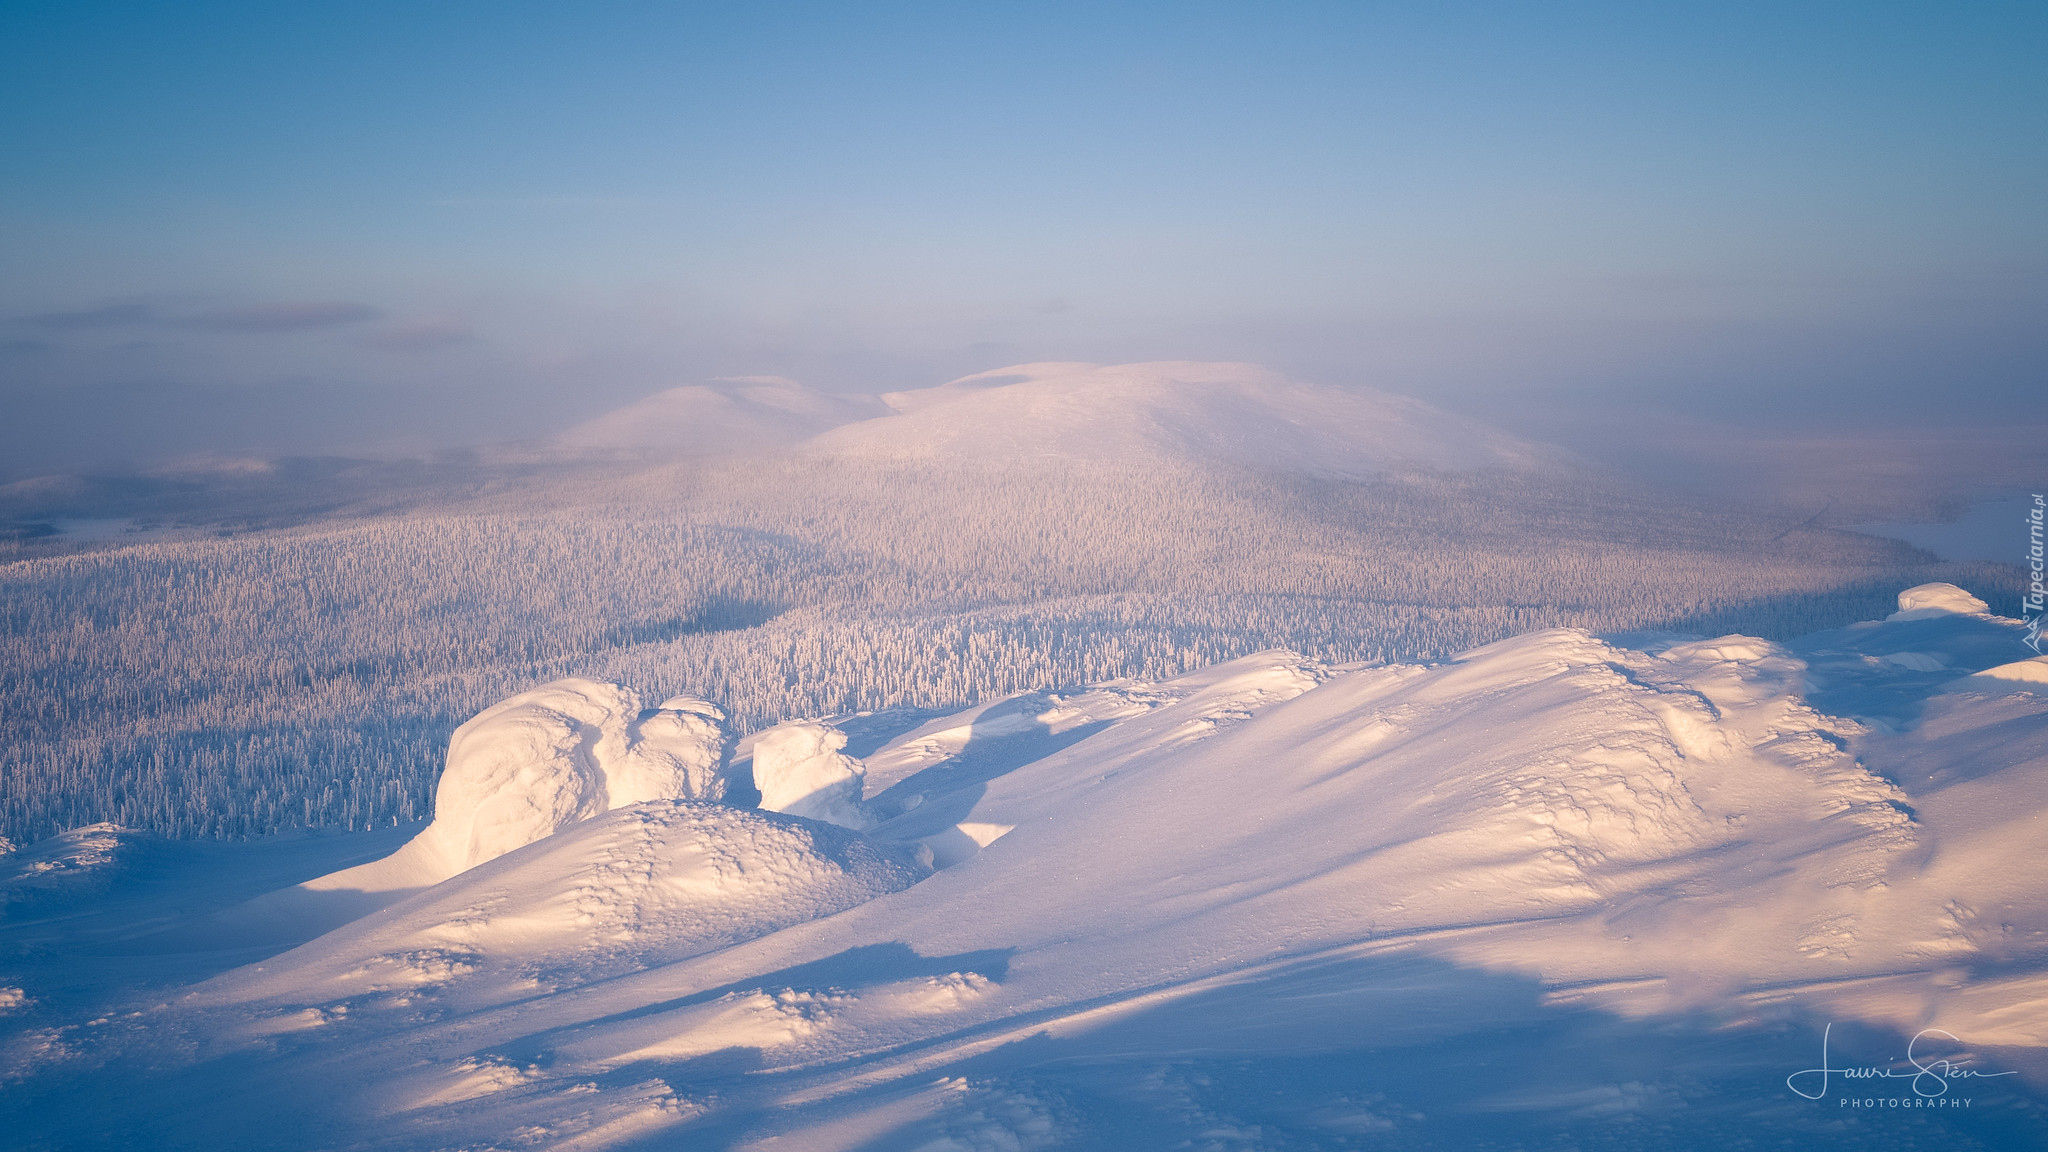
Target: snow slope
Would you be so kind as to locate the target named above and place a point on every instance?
(1235, 414)
(648, 883)
(1559, 891)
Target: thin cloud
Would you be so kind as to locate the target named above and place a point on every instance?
(105, 316)
(291, 316)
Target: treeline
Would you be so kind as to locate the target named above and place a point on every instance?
(232, 687)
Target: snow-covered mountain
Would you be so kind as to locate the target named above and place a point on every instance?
(1561, 890)
(1233, 414)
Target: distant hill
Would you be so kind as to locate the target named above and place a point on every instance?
(1239, 414)
(742, 414)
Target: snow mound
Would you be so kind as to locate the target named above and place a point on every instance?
(740, 414)
(533, 764)
(1937, 599)
(800, 769)
(70, 866)
(1941, 641)
(2020, 672)
(1236, 414)
(644, 884)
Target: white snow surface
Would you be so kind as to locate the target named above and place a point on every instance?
(1935, 599)
(1645, 852)
(2033, 670)
(645, 883)
(800, 769)
(70, 866)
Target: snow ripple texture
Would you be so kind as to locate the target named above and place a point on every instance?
(648, 883)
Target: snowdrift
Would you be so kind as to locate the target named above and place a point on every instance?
(650, 882)
(78, 865)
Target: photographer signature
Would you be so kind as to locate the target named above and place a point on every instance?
(1929, 1079)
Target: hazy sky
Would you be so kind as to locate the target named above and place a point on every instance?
(276, 226)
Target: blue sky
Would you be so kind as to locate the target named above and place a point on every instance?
(296, 226)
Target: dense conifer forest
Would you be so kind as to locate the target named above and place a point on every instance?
(240, 685)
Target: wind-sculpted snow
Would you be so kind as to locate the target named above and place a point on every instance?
(73, 866)
(1935, 600)
(532, 765)
(647, 883)
(2033, 670)
(1649, 864)
(800, 769)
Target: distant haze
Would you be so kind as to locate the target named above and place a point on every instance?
(233, 230)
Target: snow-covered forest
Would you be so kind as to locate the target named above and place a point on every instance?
(240, 685)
